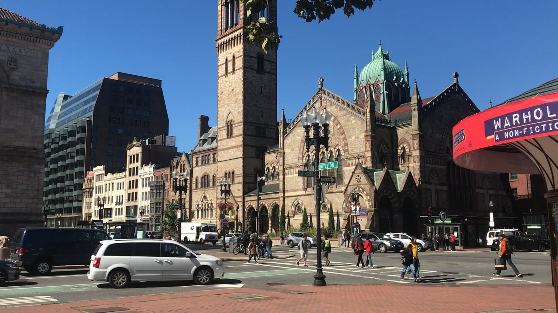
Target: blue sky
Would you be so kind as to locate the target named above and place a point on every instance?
(499, 48)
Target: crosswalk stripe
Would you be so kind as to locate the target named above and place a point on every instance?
(26, 300)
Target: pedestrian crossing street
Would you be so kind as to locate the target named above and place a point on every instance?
(378, 274)
(20, 301)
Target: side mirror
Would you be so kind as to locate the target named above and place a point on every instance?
(188, 254)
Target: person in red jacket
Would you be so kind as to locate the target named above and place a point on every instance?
(369, 248)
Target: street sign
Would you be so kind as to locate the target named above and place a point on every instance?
(442, 216)
(225, 223)
(306, 173)
(327, 179)
(328, 165)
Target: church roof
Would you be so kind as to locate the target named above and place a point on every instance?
(14, 18)
(381, 65)
(404, 111)
(266, 189)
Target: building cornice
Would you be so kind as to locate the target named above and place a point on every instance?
(29, 32)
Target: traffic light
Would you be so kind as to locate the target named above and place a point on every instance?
(429, 212)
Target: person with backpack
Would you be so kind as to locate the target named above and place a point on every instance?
(326, 249)
(282, 238)
(369, 248)
(303, 246)
(407, 261)
(416, 262)
(252, 249)
(268, 244)
(359, 251)
(505, 253)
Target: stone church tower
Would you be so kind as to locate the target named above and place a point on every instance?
(24, 52)
(247, 97)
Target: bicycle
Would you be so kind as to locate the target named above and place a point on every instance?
(239, 248)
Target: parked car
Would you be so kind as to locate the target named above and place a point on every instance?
(121, 261)
(380, 242)
(229, 237)
(520, 243)
(39, 249)
(294, 238)
(9, 271)
(405, 239)
(492, 235)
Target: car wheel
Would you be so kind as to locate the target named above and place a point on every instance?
(382, 248)
(419, 247)
(203, 276)
(3, 277)
(291, 244)
(542, 248)
(42, 267)
(119, 279)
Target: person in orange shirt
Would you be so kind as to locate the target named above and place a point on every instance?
(505, 254)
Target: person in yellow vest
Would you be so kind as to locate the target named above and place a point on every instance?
(326, 248)
(416, 263)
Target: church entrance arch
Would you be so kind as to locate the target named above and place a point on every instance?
(410, 218)
(251, 219)
(264, 221)
(386, 215)
(275, 218)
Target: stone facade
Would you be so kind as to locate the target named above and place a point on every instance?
(24, 54)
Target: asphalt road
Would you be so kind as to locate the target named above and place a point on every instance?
(70, 284)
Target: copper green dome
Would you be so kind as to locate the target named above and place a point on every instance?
(381, 63)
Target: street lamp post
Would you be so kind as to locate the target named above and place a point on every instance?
(355, 195)
(46, 209)
(491, 220)
(180, 186)
(320, 125)
(225, 191)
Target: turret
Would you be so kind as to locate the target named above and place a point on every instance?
(406, 73)
(370, 112)
(416, 108)
(355, 76)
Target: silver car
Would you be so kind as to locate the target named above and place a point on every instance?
(293, 239)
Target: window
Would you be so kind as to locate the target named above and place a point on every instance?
(513, 176)
(260, 131)
(146, 103)
(138, 91)
(110, 141)
(121, 99)
(197, 160)
(145, 113)
(93, 151)
(94, 140)
(109, 163)
(112, 97)
(128, 132)
(214, 180)
(229, 129)
(145, 135)
(138, 102)
(120, 88)
(514, 192)
(146, 92)
(118, 164)
(260, 65)
(138, 112)
(120, 109)
(171, 250)
(109, 152)
(119, 153)
(130, 111)
(196, 183)
(94, 128)
(119, 249)
(151, 249)
(137, 133)
(119, 142)
(130, 101)
(112, 87)
(93, 162)
(111, 108)
(226, 66)
(403, 156)
(120, 131)
(233, 64)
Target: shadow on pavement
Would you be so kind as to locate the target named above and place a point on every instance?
(57, 273)
(18, 283)
(177, 283)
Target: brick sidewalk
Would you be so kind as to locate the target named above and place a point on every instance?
(334, 298)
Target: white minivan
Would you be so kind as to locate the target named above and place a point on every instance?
(493, 234)
(120, 261)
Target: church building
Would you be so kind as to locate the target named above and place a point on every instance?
(392, 146)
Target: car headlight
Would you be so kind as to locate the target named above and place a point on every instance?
(219, 262)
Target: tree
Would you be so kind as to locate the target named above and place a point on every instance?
(282, 219)
(263, 31)
(169, 224)
(330, 220)
(304, 224)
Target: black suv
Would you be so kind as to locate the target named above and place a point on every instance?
(380, 242)
(38, 249)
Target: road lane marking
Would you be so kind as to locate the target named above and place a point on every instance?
(26, 300)
(46, 289)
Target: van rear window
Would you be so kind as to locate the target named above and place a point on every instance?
(119, 249)
(97, 249)
(18, 235)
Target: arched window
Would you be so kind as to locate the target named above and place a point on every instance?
(275, 175)
(233, 64)
(229, 129)
(196, 183)
(214, 179)
(339, 168)
(403, 156)
(377, 91)
(267, 174)
(395, 93)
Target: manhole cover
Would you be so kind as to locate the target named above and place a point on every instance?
(105, 310)
(275, 284)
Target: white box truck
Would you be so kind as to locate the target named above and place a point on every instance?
(199, 232)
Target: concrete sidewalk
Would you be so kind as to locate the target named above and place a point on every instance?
(334, 298)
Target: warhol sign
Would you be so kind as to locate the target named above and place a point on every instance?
(535, 120)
